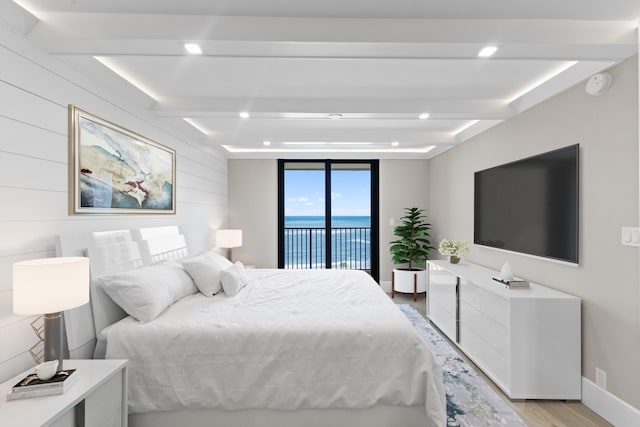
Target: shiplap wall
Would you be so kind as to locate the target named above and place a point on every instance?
(35, 89)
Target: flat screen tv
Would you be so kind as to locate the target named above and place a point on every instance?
(530, 205)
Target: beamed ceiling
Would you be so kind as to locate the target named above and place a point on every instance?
(337, 78)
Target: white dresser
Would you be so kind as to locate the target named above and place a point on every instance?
(528, 341)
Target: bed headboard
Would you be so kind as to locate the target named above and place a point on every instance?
(110, 252)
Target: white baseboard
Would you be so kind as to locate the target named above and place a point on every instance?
(611, 408)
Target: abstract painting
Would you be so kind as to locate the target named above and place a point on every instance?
(114, 170)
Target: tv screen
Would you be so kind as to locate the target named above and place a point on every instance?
(530, 205)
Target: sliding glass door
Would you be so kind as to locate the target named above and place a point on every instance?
(328, 214)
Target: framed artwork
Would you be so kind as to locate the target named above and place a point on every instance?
(115, 171)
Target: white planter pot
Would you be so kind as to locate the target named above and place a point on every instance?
(410, 282)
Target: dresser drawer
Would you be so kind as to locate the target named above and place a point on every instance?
(495, 364)
(485, 302)
(442, 291)
(444, 320)
(485, 327)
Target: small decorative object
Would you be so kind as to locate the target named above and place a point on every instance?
(455, 249)
(506, 278)
(46, 370)
(505, 273)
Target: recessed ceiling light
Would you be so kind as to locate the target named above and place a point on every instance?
(193, 48)
(487, 51)
(267, 143)
(423, 116)
(244, 114)
(335, 116)
(395, 143)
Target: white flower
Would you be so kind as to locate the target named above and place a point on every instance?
(453, 247)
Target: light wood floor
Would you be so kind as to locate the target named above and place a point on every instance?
(536, 413)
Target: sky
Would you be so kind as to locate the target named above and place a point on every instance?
(304, 193)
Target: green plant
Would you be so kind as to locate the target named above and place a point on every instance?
(453, 247)
(413, 245)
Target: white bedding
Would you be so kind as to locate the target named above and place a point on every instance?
(290, 339)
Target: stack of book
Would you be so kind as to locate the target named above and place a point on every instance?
(513, 283)
(32, 386)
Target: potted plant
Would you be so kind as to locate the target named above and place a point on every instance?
(455, 249)
(412, 249)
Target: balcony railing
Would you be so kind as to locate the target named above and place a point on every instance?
(350, 248)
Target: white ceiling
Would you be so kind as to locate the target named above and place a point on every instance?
(291, 63)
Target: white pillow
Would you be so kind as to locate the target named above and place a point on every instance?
(233, 279)
(205, 270)
(181, 284)
(146, 292)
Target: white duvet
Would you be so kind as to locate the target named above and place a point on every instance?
(290, 339)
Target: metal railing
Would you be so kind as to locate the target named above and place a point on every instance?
(305, 247)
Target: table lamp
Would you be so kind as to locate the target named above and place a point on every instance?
(49, 286)
(229, 239)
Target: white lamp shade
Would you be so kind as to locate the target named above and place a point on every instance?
(229, 238)
(49, 285)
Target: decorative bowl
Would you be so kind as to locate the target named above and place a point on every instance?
(46, 370)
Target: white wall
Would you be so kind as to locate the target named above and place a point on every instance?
(253, 208)
(607, 279)
(35, 90)
(403, 184)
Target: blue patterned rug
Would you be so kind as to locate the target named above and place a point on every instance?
(470, 401)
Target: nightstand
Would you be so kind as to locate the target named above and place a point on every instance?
(97, 398)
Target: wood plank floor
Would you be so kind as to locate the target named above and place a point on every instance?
(536, 413)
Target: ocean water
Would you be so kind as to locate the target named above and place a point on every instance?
(318, 221)
(305, 238)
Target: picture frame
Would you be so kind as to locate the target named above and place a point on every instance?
(113, 170)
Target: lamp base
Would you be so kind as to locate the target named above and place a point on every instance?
(53, 339)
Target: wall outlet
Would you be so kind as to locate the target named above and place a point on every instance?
(631, 236)
(601, 378)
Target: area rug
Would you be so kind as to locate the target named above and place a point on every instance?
(470, 401)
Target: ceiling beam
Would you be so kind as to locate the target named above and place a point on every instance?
(122, 34)
(443, 108)
(199, 27)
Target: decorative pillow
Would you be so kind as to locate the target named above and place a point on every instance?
(146, 292)
(233, 279)
(205, 270)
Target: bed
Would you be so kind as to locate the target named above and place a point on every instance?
(287, 348)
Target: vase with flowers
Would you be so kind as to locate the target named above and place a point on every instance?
(454, 249)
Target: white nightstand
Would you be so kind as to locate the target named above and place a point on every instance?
(97, 398)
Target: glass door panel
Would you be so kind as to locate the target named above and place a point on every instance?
(304, 215)
(351, 216)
